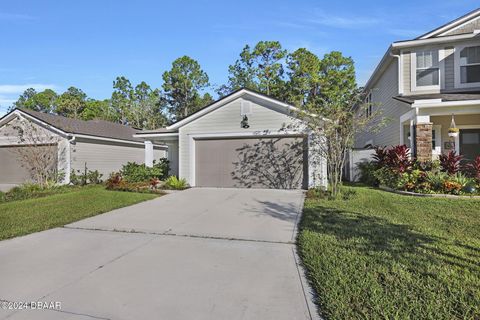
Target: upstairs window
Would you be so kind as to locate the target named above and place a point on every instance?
(368, 105)
(427, 69)
(470, 65)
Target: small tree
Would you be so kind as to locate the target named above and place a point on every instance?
(36, 150)
(336, 115)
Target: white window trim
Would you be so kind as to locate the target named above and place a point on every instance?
(441, 71)
(438, 140)
(457, 74)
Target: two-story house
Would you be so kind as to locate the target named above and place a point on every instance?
(422, 84)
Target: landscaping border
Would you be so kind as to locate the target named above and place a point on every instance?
(428, 195)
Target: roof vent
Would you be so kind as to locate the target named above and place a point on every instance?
(246, 108)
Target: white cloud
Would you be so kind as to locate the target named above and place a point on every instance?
(344, 22)
(14, 16)
(20, 88)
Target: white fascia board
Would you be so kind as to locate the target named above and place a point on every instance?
(222, 102)
(19, 113)
(83, 136)
(155, 135)
(413, 43)
(453, 25)
(445, 104)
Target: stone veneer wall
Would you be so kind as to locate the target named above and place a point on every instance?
(424, 141)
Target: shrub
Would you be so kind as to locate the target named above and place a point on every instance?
(86, 177)
(367, 173)
(452, 187)
(473, 169)
(436, 179)
(134, 172)
(32, 190)
(176, 184)
(116, 182)
(450, 162)
(387, 177)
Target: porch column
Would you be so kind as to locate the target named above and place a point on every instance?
(149, 154)
(423, 141)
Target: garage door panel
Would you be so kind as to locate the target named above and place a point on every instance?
(278, 163)
(11, 169)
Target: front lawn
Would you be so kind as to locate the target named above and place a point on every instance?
(26, 216)
(380, 255)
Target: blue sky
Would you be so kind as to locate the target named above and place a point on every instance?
(57, 44)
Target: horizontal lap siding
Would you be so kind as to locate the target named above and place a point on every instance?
(227, 119)
(107, 157)
(383, 92)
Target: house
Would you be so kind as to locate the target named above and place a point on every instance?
(245, 139)
(97, 144)
(425, 86)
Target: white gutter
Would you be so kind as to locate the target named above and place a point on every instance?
(113, 140)
(410, 43)
(159, 134)
(436, 104)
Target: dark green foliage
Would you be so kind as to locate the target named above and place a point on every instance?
(379, 255)
(30, 191)
(134, 172)
(367, 173)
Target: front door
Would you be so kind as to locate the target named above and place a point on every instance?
(470, 143)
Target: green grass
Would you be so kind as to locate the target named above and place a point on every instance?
(26, 216)
(380, 255)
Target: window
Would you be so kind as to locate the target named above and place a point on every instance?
(368, 105)
(470, 65)
(427, 69)
(434, 141)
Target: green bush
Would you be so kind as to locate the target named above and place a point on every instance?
(31, 190)
(116, 182)
(86, 177)
(176, 184)
(2, 197)
(367, 173)
(134, 172)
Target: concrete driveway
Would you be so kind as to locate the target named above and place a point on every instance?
(199, 254)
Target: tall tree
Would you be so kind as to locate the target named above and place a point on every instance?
(303, 83)
(260, 68)
(332, 118)
(183, 85)
(122, 97)
(98, 110)
(43, 101)
(71, 103)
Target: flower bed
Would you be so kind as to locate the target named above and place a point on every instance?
(394, 168)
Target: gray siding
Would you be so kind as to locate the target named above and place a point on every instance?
(107, 157)
(226, 120)
(407, 78)
(449, 68)
(447, 74)
(468, 28)
(383, 90)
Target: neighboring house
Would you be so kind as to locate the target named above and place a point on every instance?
(99, 145)
(241, 140)
(420, 83)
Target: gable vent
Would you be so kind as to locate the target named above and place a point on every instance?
(246, 108)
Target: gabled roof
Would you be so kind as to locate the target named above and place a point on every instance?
(439, 35)
(242, 92)
(94, 128)
(444, 29)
